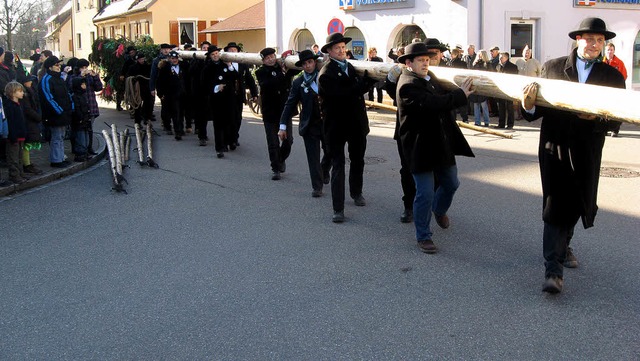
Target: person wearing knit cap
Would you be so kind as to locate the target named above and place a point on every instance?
(33, 118)
(57, 107)
(570, 150)
(7, 73)
(274, 84)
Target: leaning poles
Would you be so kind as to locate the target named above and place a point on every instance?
(140, 141)
(611, 103)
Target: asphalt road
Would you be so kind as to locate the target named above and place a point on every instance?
(208, 258)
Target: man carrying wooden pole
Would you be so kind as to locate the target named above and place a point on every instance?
(570, 148)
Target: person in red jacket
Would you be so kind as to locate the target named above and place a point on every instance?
(615, 62)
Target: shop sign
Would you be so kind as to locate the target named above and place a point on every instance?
(608, 4)
(363, 5)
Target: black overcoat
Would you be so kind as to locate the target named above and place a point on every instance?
(430, 137)
(342, 102)
(274, 89)
(570, 149)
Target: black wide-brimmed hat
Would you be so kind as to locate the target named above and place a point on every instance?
(433, 43)
(166, 46)
(212, 48)
(304, 56)
(232, 45)
(334, 39)
(593, 25)
(415, 49)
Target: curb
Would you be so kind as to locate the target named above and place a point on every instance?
(49, 177)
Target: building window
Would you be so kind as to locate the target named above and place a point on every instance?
(79, 40)
(522, 34)
(147, 29)
(93, 37)
(187, 32)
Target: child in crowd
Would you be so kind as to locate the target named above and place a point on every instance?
(33, 118)
(14, 92)
(80, 120)
(4, 132)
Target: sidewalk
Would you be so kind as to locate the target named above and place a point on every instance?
(40, 158)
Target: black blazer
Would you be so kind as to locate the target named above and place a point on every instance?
(274, 89)
(310, 114)
(430, 137)
(570, 149)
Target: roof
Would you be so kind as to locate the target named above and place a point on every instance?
(122, 7)
(251, 18)
(66, 8)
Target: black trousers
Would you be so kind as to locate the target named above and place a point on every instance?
(313, 143)
(278, 151)
(406, 179)
(236, 122)
(555, 241)
(356, 146)
(505, 110)
(145, 111)
(173, 113)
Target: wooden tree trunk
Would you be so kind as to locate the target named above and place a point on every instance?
(611, 103)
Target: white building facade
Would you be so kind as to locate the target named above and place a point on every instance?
(509, 24)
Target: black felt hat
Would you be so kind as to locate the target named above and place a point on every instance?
(212, 48)
(593, 25)
(304, 56)
(166, 46)
(415, 49)
(334, 39)
(52, 60)
(433, 43)
(232, 45)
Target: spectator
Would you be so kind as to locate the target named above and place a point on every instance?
(17, 131)
(615, 62)
(80, 120)
(470, 58)
(33, 118)
(57, 107)
(373, 56)
(505, 106)
(480, 107)
(94, 84)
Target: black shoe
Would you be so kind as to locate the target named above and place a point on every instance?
(552, 284)
(570, 260)
(225, 149)
(178, 137)
(169, 132)
(62, 164)
(118, 107)
(275, 176)
(232, 146)
(359, 200)
(338, 217)
(79, 158)
(5, 183)
(220, 155)
(283, 167)
(316, 193)
(203, 143)
(406, 216)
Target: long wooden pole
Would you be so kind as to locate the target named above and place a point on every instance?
(611, 103)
